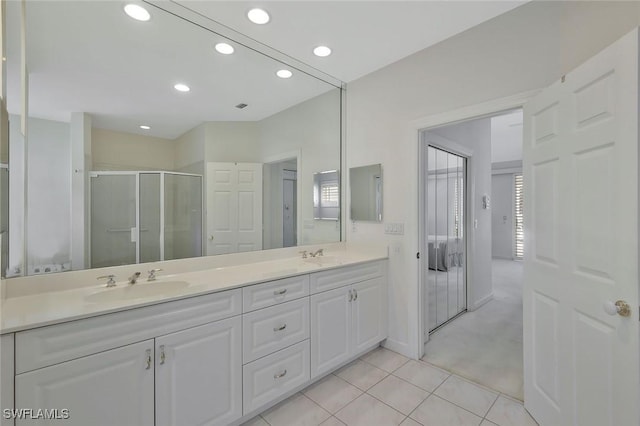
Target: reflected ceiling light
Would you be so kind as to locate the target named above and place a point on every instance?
(137, 12)
(224, 48)
(322, 51)
(258, 16)
(180, 87)
(284, 73)
(143, 127)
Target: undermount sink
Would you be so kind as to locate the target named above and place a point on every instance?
(137, 291)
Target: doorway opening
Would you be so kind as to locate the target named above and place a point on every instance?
(472, 239)
(280, 203)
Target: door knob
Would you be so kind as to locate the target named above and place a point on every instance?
(620, 307)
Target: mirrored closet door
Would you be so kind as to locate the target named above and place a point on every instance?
(446, 186)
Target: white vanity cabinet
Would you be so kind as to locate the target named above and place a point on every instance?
(213, 359)
(347, 320)
(114, 387)
(186, 371)
(199, 375)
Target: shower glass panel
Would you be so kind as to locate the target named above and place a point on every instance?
(150, 217)
(446, 243)
(113, 220)
(144, 217)
(182, 216)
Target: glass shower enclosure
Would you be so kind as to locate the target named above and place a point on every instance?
(446, 186)
(145, 217)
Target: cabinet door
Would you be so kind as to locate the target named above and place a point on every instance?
(199, 375)
(114, 387)
(368, 314)
(330, 330)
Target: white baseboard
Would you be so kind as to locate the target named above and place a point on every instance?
(481, 302)
(399, 347)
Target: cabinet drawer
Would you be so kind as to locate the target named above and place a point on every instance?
(272, 376)
(339, 277)
(51, 345)
(274, 292)
(271, 329)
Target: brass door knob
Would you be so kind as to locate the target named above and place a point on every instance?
(620, 307)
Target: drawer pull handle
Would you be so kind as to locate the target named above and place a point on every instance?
(282, 327)
(355, 294)
(148, 359)
(279, 293)
(350, 295)
(163, 357)
(280, 375)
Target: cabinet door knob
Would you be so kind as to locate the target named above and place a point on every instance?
(280, 375)
(162, 355)
(149, 360)
(355, 295)
(350, 296)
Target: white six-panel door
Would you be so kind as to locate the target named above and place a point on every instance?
(581, 244)
(234, 207)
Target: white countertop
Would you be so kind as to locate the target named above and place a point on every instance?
(52, 307)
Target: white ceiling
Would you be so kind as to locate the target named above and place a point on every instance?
(89, 56)
(364, 35)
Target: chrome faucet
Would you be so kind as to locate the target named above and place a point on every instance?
(319, 252)
(133, 278)
(111, 282)
(152, 274)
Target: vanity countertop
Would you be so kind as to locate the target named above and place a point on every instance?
(52, 307)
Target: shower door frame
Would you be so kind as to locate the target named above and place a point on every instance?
(468, 220)
(137, 174)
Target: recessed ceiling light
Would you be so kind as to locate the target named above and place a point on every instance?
(137, 12)
(284, 73)
(224, 48)
(143, 127)
(180, 87)
(258, 16)
(322, 51)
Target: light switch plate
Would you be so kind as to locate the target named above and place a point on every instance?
(394, 228)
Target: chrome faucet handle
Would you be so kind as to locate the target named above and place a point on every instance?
(133, 278)
(303, 253)
(111, 282)
(320, 252)
(152, 274)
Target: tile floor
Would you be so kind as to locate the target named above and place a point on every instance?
(385, 388)
(486, 345)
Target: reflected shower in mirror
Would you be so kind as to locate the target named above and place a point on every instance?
(365, 184)
(146, 144)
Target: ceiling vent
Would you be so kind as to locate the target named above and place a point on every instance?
(240, 106)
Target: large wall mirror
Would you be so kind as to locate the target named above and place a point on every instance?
(145, 143)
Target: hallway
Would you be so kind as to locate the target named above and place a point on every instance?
(486, 345)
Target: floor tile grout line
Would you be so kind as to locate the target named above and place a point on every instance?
(390, 372)
(489, 410)
(395, 409)
(459, 406)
